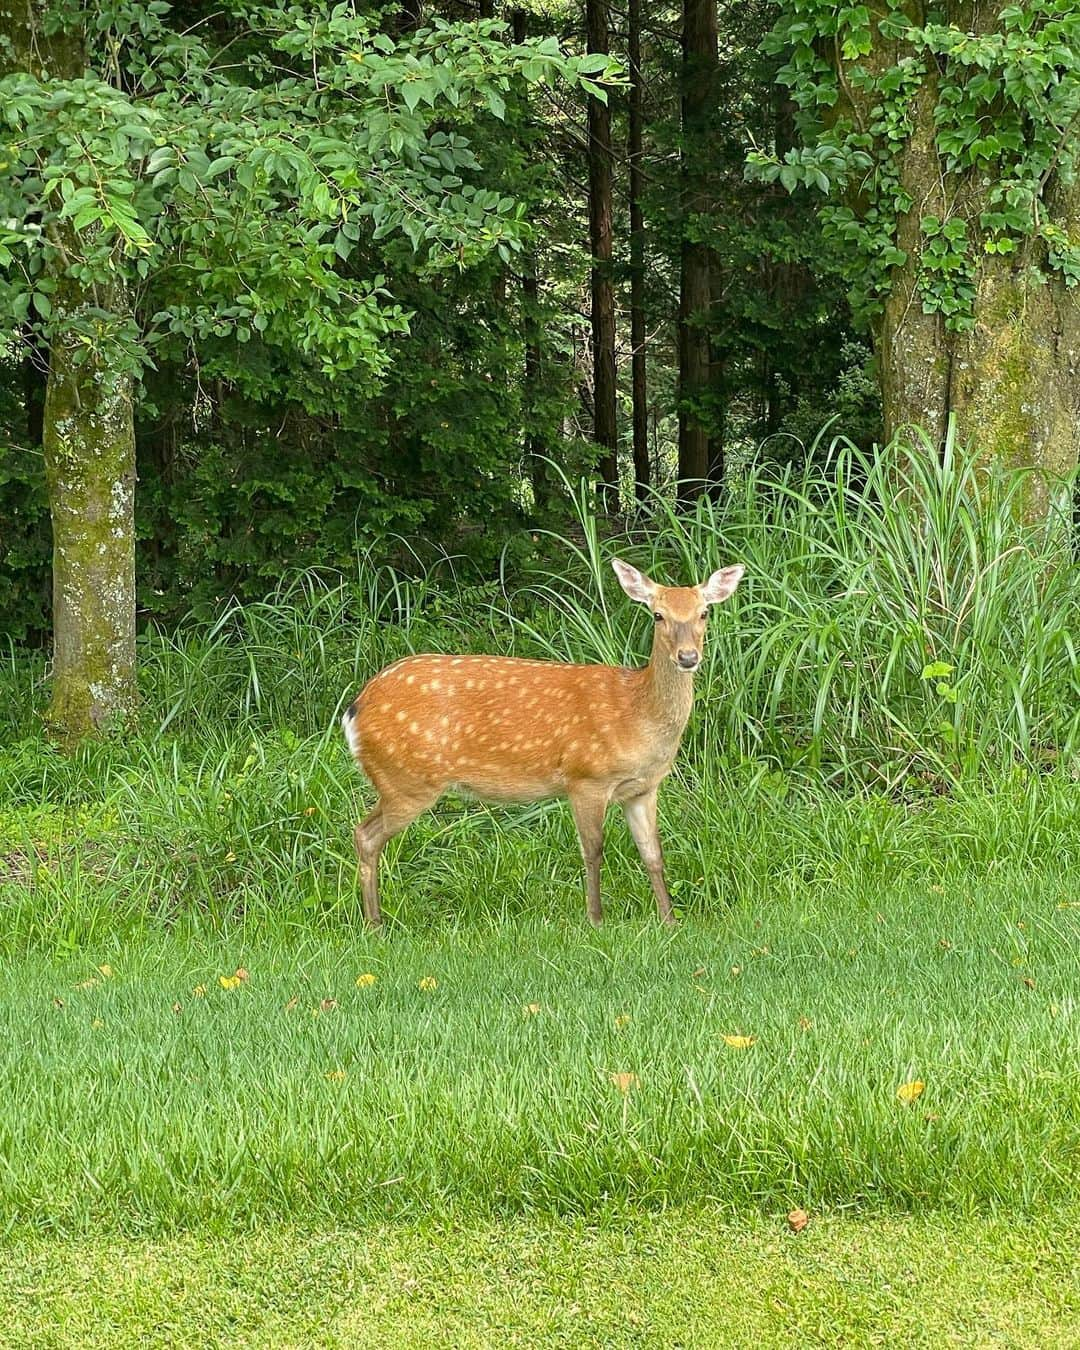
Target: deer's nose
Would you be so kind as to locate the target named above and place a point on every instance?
(688, 658)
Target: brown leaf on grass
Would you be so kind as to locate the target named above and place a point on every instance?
(241, 974)
(805, 1024)
(58, 1002)
(910, 1092)
(291, 1003)
(797, 1220)
(328, 1005)
(1028, 982)
(624, 1081)
(178, 1008)
(698, 973)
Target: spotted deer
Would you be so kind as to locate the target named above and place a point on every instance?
(506, 729)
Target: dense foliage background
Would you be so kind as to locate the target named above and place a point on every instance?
(257, 452)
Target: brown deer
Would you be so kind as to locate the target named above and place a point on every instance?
(514, 730)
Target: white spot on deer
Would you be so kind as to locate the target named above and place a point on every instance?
(400, 714)
(410, 679)
(414, 727)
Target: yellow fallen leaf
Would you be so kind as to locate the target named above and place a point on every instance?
(230, 856)
(178, 1008)
(106, 970)
(365, 981)
(86, 984)
(531, 1009)
(624, 1081)
(228, 981)
(428, 983)
(292, 1003)
(623, 1020)
(739, 1042)
(336, 1075)
(97, 1023)
(199, 990)
(909, 1092)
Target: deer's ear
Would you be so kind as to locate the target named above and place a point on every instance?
(636, 584)
(722, 584)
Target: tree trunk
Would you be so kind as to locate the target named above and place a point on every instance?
(536, 465)
(1011, 380)
(88, 440)
(639, 382)
(699, 61)
(89, 444)
(605, 426)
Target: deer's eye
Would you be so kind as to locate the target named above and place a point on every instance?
(658, 617)
(704, 613)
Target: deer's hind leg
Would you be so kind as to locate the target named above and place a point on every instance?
(589, 806)
(393, 813)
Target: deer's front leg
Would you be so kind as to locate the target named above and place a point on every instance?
(641, 817)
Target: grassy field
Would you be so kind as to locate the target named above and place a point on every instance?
(533, 1066)
(685, 1277)
(238, 1116)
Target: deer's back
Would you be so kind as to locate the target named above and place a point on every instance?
(498, 726)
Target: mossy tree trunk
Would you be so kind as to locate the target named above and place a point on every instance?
(89, 444)
(1011, 381)
(88, 439)
(1010, 376)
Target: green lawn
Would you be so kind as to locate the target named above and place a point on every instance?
(552, 1069)
(685, 1277)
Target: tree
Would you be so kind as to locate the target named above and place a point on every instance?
(635, 155)
(605, 426)
(120, 187)
(945, 140)
(699, 60)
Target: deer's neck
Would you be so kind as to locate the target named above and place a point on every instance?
(669, 694)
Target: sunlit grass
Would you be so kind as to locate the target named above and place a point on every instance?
(686, 1276)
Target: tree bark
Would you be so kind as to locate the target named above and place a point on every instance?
(605, 425)
(699, 61)
(536, 465)
(89, 445)
(1011, 381)
(639, 374)
(88, 440)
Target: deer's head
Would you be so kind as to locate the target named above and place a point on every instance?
(680, 613)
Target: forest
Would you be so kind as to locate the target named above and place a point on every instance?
(334, 334)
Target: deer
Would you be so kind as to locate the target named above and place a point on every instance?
(507, 729)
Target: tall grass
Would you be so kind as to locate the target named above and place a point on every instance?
(899, 622)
